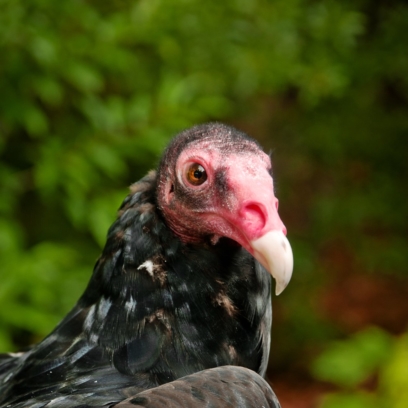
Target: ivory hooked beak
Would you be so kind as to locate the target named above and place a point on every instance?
(274, 252)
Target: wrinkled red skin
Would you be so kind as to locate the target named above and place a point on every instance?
(236, 201)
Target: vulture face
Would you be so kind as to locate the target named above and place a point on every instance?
(214, 182)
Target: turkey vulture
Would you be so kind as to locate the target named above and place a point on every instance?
(178, 311)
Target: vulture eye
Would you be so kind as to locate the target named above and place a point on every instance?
(196, 174)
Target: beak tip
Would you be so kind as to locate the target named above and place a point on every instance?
(280, 286)
(273, 250)
(279, 289)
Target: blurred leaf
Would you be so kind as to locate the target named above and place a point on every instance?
(394, 376)
(48, 89)
(350, 362)
(83, 76)
(35, 121)
(356, 400)
(103, 214)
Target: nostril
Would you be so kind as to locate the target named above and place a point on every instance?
(258, 219)
(254, 215)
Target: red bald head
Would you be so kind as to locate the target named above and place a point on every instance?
(215, 181)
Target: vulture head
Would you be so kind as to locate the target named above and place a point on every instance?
(215, 181)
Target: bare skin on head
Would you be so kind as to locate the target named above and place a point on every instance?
(222, 187)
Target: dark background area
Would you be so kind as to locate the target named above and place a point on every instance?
(90, 93)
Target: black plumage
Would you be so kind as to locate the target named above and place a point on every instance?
(157, 308)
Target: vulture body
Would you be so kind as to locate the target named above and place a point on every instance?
(178, 311)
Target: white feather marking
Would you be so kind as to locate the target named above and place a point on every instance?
(15, 354)
(89, 319)
(148, 265)
(80, 353)
(7, 378)
(259, 301)
(130, 305)
(103, 308)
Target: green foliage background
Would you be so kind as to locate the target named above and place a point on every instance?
(90, 93)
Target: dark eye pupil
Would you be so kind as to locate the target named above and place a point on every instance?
(196, 174)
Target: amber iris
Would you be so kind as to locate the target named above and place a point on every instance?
(196, 174)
